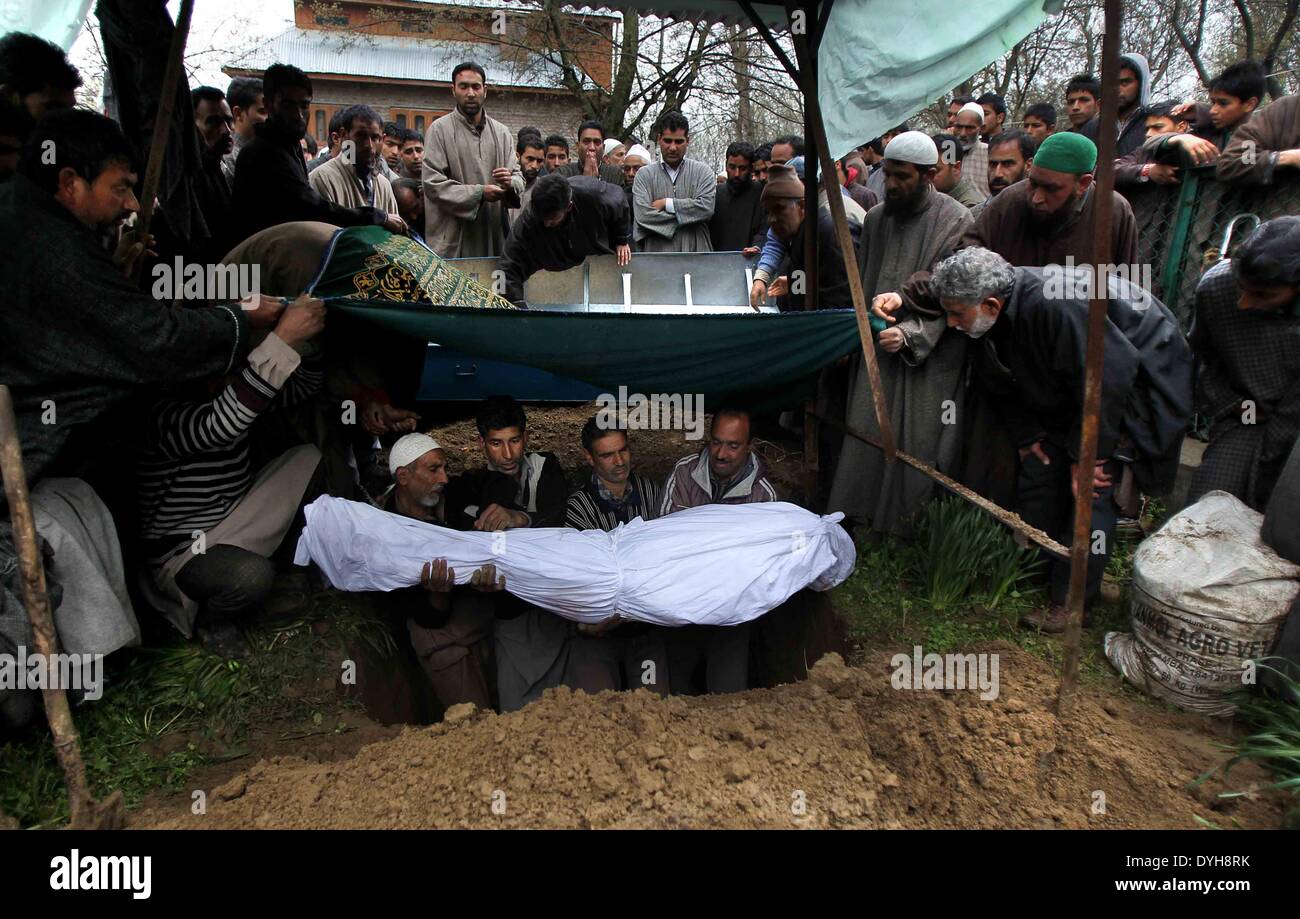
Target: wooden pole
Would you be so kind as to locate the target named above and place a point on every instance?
(162, 124)
(1104, 186)
(1009, 519)
(835, 201)
(83, 811)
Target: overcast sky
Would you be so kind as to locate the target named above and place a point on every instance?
(218, 29)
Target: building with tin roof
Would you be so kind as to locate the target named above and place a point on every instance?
(397, 57)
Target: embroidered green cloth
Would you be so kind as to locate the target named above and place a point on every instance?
(369, 263)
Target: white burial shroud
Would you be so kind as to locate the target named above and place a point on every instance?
(711, 565)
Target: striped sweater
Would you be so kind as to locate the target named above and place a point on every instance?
(588, 509)
(194, 467)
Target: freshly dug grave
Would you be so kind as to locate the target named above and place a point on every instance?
(842, 749)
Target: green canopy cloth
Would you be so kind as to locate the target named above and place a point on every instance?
(881, 61)
(771, 359)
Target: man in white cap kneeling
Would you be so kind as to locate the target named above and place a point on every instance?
(450, 627)
(921, 367)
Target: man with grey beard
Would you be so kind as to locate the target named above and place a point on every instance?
(1029, 358)
(450, 626)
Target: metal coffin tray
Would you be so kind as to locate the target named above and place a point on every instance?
(657, 282)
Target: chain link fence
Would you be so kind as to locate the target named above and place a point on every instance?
(1184, 229)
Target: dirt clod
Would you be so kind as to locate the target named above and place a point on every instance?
(233, 789)
(460, 712)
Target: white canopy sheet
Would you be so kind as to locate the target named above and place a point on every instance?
(711, 565)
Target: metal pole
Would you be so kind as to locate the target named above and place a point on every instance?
(82, 809)
(1081, 544)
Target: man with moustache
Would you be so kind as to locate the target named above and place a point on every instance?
(921, 368)
(726, 471)
(351, 179)
(1048, 217)
(215, 124)
(737, 222)
(271, 184)
(1010, 154)
(1029, 359)
(450, 626)
(80, 340)
(612, 496)
(785, 214)
(470, 173)
(673, 200)
(532, 159)
(975, 161)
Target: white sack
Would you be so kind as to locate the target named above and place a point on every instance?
(711, 565)
(1208, 596)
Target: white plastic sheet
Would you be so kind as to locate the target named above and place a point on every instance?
(711, 565)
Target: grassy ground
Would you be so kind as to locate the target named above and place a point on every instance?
(168, 710)
(885, 606)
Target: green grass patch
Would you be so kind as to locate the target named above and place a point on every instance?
(167, 710)
(963, 582)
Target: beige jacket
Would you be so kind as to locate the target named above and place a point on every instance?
(458, 162)
(337, 180)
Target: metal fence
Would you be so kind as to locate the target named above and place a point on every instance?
(1183, 229)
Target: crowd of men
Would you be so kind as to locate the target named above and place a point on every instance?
(214, 410)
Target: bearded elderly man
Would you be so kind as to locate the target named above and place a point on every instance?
(1029, 357)
(450, 627)
(1048, 217)
(921, 366)
(975, 153)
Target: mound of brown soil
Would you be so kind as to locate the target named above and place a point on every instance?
(843, 749)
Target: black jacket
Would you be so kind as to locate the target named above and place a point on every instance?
(832, 279)
(271, 188)
(1033, 363)
(476, 489)
(597, 225)
(737, 218)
